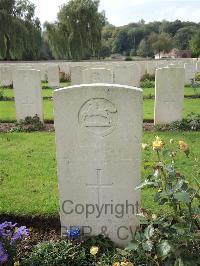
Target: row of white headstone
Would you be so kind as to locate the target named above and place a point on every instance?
(50, 71)
(169, 89)
(52, 75)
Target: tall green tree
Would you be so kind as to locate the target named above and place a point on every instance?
(183, 36)
(144, 49)
(135, 35)
(20, 31)
(160, 42)
(195, 44)
(78, 29)
(57, 38)
(121, 42)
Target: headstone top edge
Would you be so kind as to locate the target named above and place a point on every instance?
(26, 69)
(170, 68)
(106, 85)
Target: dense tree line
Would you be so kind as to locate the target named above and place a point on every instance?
(146, 39)
(82, 32)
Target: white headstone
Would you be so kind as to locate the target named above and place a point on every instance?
(43, 71)
(6, 76)
(97, 75)
(28, 93)
(66, 68)
(190, 70)
(175, 65)
(98, 138)
(76, 74)
(198, 67)
(151, 67)
(143, 67)
(53, 76)
(127, 75)
(169, 95)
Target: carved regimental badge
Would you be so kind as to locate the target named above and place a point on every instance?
(99, 116)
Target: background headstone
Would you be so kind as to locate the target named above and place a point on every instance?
(190, 70)
(28, 93)
(6, 76)
(98, 139)
(169, 95)
(97, 75)
(127, 75)
(76, 74)
(53, 76)
(198, 66)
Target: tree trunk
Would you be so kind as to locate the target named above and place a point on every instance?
(7, 48)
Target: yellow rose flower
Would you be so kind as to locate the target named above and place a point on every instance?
(154, 216)
(157, 144)
(94, 250)
(183, 146)
(127, 263)
(116, 264)
(16, 263)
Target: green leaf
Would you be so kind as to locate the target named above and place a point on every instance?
(132, 246)
(142, 218)
(149, 231)
(182, 197)
(179, 229)
(122, 252)
(162, 201)
(178, 184)
(179, 262)
(146, 183)
(148, 245)
(164, 248)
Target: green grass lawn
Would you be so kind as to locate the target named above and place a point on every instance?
(9, 93)
(28, 166)
(190, 105)
(189, 91)
(7, 109)
(45, 92)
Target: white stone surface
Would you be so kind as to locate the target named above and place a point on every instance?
(198, 67)
(43, 71)
(175, 65)
(169, 95)
(6, 76)
(151, 67)
(127, 75)
(28, 93)
(190, 70)
(53, 76)
(98, 139)
(143, 67)
(97, 75)
(76, 74)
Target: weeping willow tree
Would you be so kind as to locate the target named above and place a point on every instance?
(20, 31)
(77, 33)
(57, 40)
